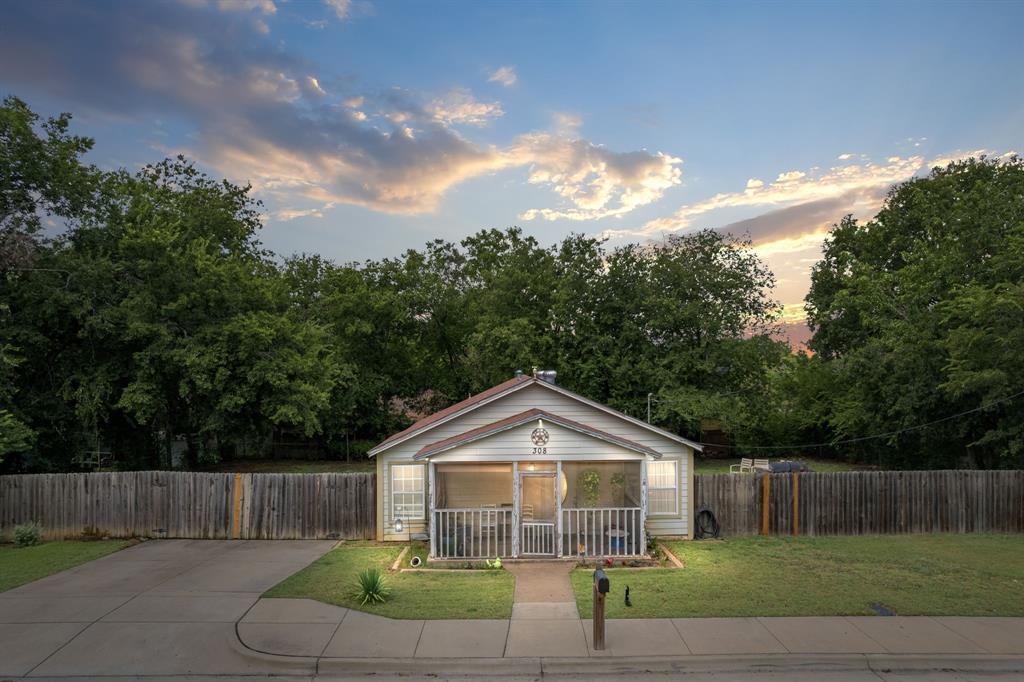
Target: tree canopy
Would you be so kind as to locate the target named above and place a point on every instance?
(147, 321)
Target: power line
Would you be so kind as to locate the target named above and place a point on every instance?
(860, 439)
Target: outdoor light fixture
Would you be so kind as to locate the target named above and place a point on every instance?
(399, 525)
(531, 466)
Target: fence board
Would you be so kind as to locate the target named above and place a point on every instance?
(192, 505)
(867, 502)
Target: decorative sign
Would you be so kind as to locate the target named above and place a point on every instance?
(540, 437)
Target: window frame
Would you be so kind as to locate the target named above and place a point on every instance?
(422, 493)
(674, 488)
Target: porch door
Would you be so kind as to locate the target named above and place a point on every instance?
(537, 515)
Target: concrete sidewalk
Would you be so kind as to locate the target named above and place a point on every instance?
(192, 608)
(296, 627)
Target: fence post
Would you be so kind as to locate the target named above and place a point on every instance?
(796, 503)
(765, 500)
(236, 509)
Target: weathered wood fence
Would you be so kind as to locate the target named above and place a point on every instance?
(865, 502)
(193, 505)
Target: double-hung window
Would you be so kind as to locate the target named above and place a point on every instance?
(407, 498)
(662, 488)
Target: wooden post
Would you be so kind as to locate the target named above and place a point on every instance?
(598, 619)
(642, 549)
(796, 503)
(431, 522)
(515, 509)
(236, 510)
(765, 499)
(558, 508)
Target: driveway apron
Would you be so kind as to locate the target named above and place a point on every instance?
(162, 607)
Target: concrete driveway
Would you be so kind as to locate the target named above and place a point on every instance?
(163, 607)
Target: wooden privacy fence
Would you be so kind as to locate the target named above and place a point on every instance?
(193, 505)
(865, 502)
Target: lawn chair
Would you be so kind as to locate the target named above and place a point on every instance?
(762, 464)
(745, 466)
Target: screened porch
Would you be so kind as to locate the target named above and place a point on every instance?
(537, 509)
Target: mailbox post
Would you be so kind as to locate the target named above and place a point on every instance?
(601, 588)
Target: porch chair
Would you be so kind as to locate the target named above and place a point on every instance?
(762, 464)
(745, 466)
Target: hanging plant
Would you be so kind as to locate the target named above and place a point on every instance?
(589, 485)
(618, 483)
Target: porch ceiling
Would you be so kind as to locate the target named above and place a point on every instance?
(527, 417)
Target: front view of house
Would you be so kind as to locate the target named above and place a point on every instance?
(530, 469)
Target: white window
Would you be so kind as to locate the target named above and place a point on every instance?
(407, 497)
(662, 488)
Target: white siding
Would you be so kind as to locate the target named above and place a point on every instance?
(515, 444)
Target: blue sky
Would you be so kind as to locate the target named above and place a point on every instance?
(369, 127)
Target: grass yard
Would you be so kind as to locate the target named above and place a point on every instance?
(294, 466)
(426, 594)
(721, 466)
(20, 565)
(966, 575)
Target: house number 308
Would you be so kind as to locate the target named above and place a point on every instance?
(540, 451)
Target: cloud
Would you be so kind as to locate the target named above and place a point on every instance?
(459, 106)
(791, 188)
(598, 182)
(506, 75)
(262, 114)
(845, 157)
(342, 8)
(261, 6)
(286, 214)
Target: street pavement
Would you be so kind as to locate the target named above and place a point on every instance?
(180, 609)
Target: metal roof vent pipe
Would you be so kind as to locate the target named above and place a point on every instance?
(548, 375)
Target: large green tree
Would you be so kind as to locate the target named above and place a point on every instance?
(918, 311)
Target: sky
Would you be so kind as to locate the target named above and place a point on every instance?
(369, 127)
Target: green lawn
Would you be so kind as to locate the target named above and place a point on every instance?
(969, 575)
(721, 466)
(294, 466)
(20, 565)
(439, 594)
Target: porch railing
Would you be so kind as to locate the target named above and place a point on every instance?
(603, 532)
(476, 533)
(484, 533)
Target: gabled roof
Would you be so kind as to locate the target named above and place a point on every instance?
(503, 389)
(449, 411)
(525, 418)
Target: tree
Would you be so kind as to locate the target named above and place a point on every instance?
(41, 175)
(915, 309)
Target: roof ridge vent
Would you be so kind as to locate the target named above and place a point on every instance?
(548, 375)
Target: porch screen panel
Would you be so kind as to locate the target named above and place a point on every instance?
(407, 491)
(662, 488)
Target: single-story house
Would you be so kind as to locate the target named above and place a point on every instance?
(530, 469)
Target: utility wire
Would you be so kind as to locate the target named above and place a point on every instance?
(860, 439)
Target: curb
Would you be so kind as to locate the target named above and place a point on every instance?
(542, 667)
(276, 664)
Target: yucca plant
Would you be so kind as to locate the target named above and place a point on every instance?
(370, 587)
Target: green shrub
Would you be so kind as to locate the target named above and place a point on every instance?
(370, 587)
(90, 533)
(28, 534)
